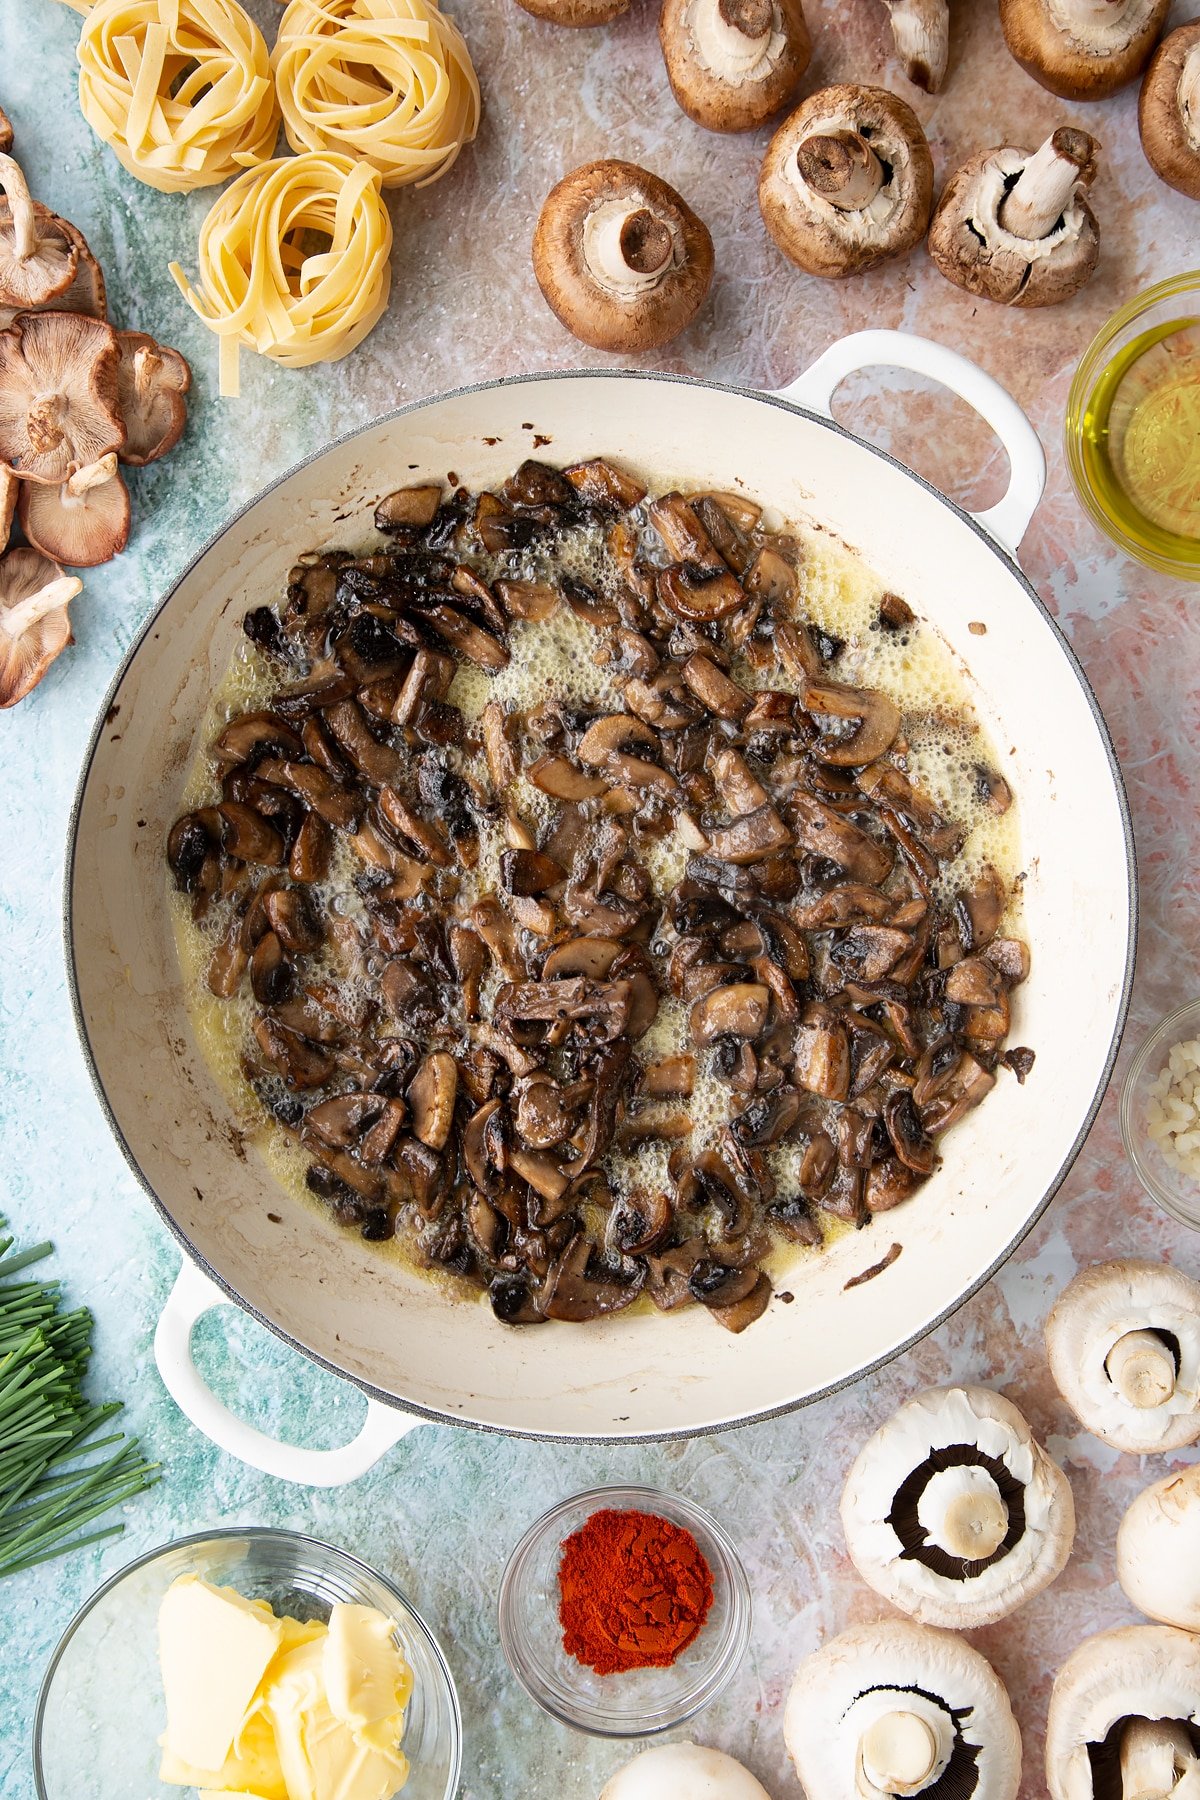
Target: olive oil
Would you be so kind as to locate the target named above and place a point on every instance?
(1140, 442)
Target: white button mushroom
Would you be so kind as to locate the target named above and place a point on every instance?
(1013, 225)
(921, 29)
(1169, 110)
(732, 64)
(1134, 1691)
(894, 1709)
(1158, 1550)
(1083, 49)
(683, 1772)
(1124, 1347)
(953, 1512)
(847, 181)
(620, 257)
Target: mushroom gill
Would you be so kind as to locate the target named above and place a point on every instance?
(34, 627)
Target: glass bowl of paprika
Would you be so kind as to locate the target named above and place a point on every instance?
(624, 1611)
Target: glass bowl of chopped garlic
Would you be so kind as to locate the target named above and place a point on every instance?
(1160, 1114)
(247, 1662)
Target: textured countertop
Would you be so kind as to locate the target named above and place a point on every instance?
(442, 1510)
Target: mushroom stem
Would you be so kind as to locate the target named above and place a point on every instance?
(147, 365)
(15, 621)
(1158, 1761)
(629, 249)
(963, 1513)
(921, 29)
(1094, 12)
(732, 35)
(842, 168)
(20, 204)
(1142, 1369)
(1043, 189)
(90, 475)
(899, 1753)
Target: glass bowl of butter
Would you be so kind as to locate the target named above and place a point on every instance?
(254, 1663)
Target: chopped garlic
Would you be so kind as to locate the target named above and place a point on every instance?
(1173, 1109)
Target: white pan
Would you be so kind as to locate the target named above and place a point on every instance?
(322, 1289)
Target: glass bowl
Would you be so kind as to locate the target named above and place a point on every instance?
(1178, 1194)
(643, 1701)
(100, 1710)
(1151, 319)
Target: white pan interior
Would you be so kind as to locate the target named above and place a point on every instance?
(651, 1375)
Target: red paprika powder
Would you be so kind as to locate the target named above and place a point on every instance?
(634, 1591)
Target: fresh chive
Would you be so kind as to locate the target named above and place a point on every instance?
(54, 1477)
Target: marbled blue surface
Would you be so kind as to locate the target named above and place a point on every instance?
(444, 1508)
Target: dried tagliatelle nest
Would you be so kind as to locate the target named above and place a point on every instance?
(954, 1513)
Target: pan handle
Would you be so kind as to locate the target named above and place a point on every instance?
(191, 1297)
(1008, 520)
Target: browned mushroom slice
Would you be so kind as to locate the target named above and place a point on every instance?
(714, 688)
(534, 601)
(529, 872)
(974, 982)
(539, 1170)
(468, 638)
(700, 594)
(340, 1122)
(741, 790)
(483, 1147)
(501, 760)
(248, 836)
(986, 1027)
(965, 1087)
(301, 1064)
(557, 776)
(320, 792)
(545, 1112)
(431, 1096)
(817, 1165)
(270, 971)
(751, 838)
(827, 833)
(495, 927)
(737, 1011)
(851, 904)
(581, 1285)
(227, 964)
(979, 909)
(293, 920)
(602, 484)
(400, 817)
(854, 725)
(768, 1117)
(426, 682)
(602, 1005)
(639, 1221)
(914, 1149)
(736, 1315)
(590, 956)
(614, 733)
(1010, 957)
(409, 508)
(251, 734)
(376, 762)
(822, 1059)
(890, 787)
(868, 952)
(889, 1183)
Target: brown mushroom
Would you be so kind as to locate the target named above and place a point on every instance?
(854, 725)
(620, 257)
(302, 1064)
(750, 838)
(1083, 49)
(59, 406)
(1013, 225)
(578, 13)
(34, 627)
(431, 1096)
(581, 1286)
(732, 64)
(738, 1010)
(921, 29)
(151, 383)
(1169, 110)
(409, 508)
(38, 257)
(827, 833)
(82, 522)
(822, 1057)
(847, 181)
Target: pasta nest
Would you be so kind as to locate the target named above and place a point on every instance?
(294, 261)
(180, 89)
(390, 81)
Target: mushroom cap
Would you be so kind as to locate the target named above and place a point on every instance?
(1171, 134)
(86, 292)
(683, 1772)
(920, 1581)
(1103, 1304)
(151, 382)
(576, 12)
(10, 487)
(718, 83)
(81, 522)
(59, 407)
(822, 1727)
(34, 627)
(38, 252)
(821, 238)
(6, 131)
(1158, 1550)
(1137, 1671)
(598, 312)
(1076, 55)
(973, 250)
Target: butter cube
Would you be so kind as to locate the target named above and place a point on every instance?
(214, 1648)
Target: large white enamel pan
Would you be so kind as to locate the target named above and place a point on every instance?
(416, 1355)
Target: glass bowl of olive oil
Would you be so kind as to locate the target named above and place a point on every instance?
(1133, 427)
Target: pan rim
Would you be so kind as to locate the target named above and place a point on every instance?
(436, 1415)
